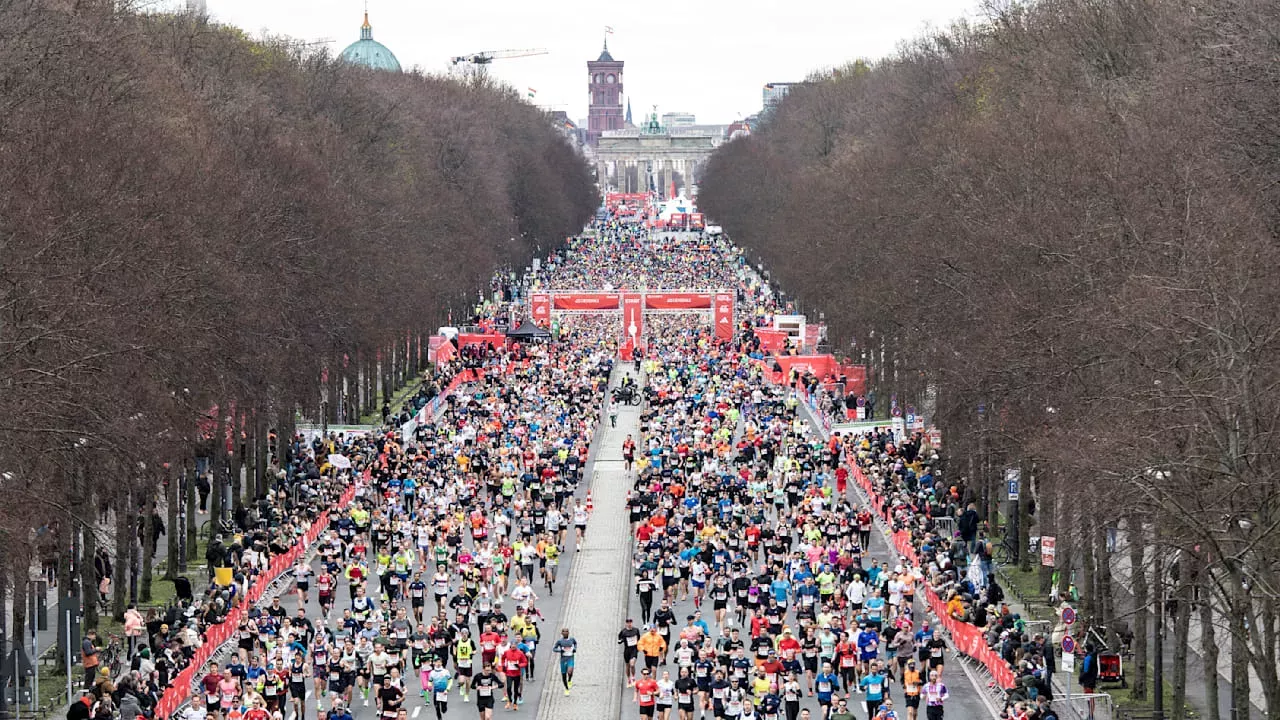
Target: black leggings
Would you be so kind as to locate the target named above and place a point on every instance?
(515, 687)
(442, 707)
(646, 606)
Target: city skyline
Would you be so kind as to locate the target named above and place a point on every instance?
(677, 63)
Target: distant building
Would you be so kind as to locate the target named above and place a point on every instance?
(654, 157)
(604, 83)
(774, 92)
(679, 119)
(561, 122)
(369, 52)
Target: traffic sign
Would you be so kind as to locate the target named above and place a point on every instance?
(1068, 645)
(1013, 489)
(1068, 616)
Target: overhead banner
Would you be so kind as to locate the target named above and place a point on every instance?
(632, 318)
(677, 301)
(582, 301)
(724, 316)
(540, 309)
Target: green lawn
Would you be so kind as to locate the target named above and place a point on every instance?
(398, 399)
(1124, 699)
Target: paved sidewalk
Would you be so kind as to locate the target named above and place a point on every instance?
(598, 588)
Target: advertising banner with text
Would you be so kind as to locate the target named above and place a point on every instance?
(584, 301)
(540, 309)
(724, 316)
(677, 301)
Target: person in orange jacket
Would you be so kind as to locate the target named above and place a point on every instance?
(652, 646)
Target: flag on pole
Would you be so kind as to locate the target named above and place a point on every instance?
(608, 29)
(532, 93)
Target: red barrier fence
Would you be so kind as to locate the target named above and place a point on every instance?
(968, 639)
(216, 635)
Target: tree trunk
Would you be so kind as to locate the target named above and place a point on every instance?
(1106, 601)
(173, 476)
(1237, 608)
(1266, 639)
(260, 455)
(217, 463)
(1088, 580)
(1181, 625)
(1024, 515)
(1141, 607)
(193, 528)
(1045, 497)
(148, 545)
(370, 386)
(65, 588)
(126, 536)
(1209, 647)
(1157, 647)
(237, 461)
(20, 571)
(88, 573)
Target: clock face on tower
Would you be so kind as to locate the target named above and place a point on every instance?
(610, 78)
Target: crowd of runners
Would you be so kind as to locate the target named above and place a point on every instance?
(628, 258)
(757, 593)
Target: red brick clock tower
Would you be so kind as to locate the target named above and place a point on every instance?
(604, 82)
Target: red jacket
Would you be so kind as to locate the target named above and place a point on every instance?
(514, 662)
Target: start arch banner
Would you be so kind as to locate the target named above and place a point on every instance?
(677, 301)
(586, 301)
(634, 304)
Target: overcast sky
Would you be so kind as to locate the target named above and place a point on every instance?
(709, 57)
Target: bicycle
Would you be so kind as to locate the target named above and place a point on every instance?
(112, 656)
(1006, 552)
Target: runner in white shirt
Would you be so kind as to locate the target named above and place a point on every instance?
(580, 515)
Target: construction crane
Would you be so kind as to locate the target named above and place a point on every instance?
(488, 56)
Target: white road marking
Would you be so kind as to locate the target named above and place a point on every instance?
(417, 710)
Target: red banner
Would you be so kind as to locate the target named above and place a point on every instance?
(855, 378)
(632, 318)
(677, 301)
(495, 339)
(967, 638)
(582, 301)
(772, 341)
(724, 316)
(820, 365)
(540, 309)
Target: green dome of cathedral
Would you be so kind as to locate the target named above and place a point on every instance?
(369, 52)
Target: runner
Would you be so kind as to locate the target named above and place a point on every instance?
(567, 648)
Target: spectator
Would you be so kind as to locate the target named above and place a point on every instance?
(89, 659)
